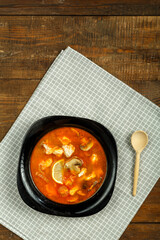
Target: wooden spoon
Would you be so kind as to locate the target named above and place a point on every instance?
(139, 140)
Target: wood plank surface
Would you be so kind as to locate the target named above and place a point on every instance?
(127, 47)
(133, 232)
(80, 7)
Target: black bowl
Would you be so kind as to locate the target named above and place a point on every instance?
(35, 199)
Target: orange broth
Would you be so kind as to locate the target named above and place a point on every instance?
(81, 168)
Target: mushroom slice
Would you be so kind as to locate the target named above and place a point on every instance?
(87, 146)
(57, 151)
(74, 165)
(68, 150)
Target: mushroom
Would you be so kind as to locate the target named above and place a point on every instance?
(74, 165)
(87, 146)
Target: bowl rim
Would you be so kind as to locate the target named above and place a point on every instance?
(62, 121)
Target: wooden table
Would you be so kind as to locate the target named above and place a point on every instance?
(121, 36)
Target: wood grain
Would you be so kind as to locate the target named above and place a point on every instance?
(134, 231)
(127, 47)
(80, 7)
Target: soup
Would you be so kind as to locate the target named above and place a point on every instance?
(68, 165)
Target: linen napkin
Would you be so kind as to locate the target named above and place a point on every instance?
(75, 86)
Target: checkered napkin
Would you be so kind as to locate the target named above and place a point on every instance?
(75, 86)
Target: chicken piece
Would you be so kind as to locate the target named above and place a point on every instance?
(57, 151)
(64, 140)
(82, 172)
(90, 176)
(73, 190)
(44, 164)
(94, 158)
(68, 150)
(48, 150)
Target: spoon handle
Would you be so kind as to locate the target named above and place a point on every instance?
(136, 172)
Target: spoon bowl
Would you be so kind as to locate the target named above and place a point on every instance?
(139, 140)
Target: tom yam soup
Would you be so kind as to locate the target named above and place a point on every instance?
(68, 165)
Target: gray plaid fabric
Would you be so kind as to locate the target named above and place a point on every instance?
(75, 86)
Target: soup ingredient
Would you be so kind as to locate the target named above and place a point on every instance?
(63, 190)
(68, 150)
(69, 181)
(73, 190)
(57, 151)
(93, 185)
(90, 176)
(82, 172)
(48, 150)
(72, 199)
(75, 131)
(44, 164)
(99, 172)
(87, 146)
(51, 190)
(65, 140)
(42, 177)
(52, 150)
(94, 158)
(57, 171)
(74, 165)
(81, 193)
